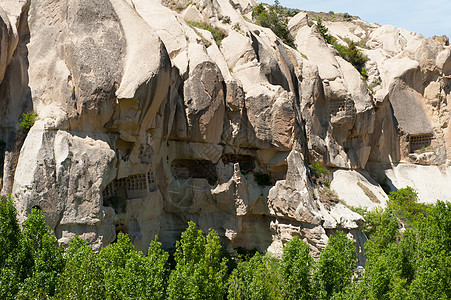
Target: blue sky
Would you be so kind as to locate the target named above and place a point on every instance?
(428, 17)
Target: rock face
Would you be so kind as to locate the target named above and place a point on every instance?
(146, 121)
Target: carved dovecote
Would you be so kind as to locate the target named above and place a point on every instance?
(134, 186)
(419, 141)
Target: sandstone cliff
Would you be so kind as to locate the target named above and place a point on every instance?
(145, 121)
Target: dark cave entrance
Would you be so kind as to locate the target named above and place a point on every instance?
(194, 168)
(246, 162)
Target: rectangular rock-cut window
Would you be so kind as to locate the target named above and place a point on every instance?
(417, 142)
(246, 162)
(135, 186)
(336, 106)
(193, 168)
(279, 172)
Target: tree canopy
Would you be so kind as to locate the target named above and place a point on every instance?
(408, 257)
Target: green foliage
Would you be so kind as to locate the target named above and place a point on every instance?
(414, 263)
(82, 277)
(129, 274)
(356, 57)
(47, 256)
(257, 278)
(225, 20)
(350, 52)
(295, 269)
(324, 31)
(262, 178)
(9, 230)
(335, 267)
(113, 259)
(30, 259)
(236, 27)
(381, 227)
(434, 254)
(291, 12)
(27, 120)
(390, 269)
(218, 33)
(330, 16)
(318, 173)
(200, 273)
(404, 203)
(10, 246)
(274, 17)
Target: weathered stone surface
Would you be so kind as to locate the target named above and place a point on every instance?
(146, 122)
(64, 173)
(358, 189)
(297, 22)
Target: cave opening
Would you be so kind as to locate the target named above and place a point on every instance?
(279, 172)
(246, 162)
(119, 227)
(194, 168)
(124, 149)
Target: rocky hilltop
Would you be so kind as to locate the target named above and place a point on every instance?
(146, 120)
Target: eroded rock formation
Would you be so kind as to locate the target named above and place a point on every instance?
(146, 121)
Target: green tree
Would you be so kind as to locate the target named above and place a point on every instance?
(200, 272)
(388, 272)
(10, 234)
(113, 259)
(47, 256)
(82, 277)
(350, 52)
(434, 258)
(146, 277)
(257, 278)
(324, 32)
(404, 203)
(274, 17)
(10, 237)
(16, 261)
(355, 56)
(383, 226)
(295, 270)
(335, 267)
